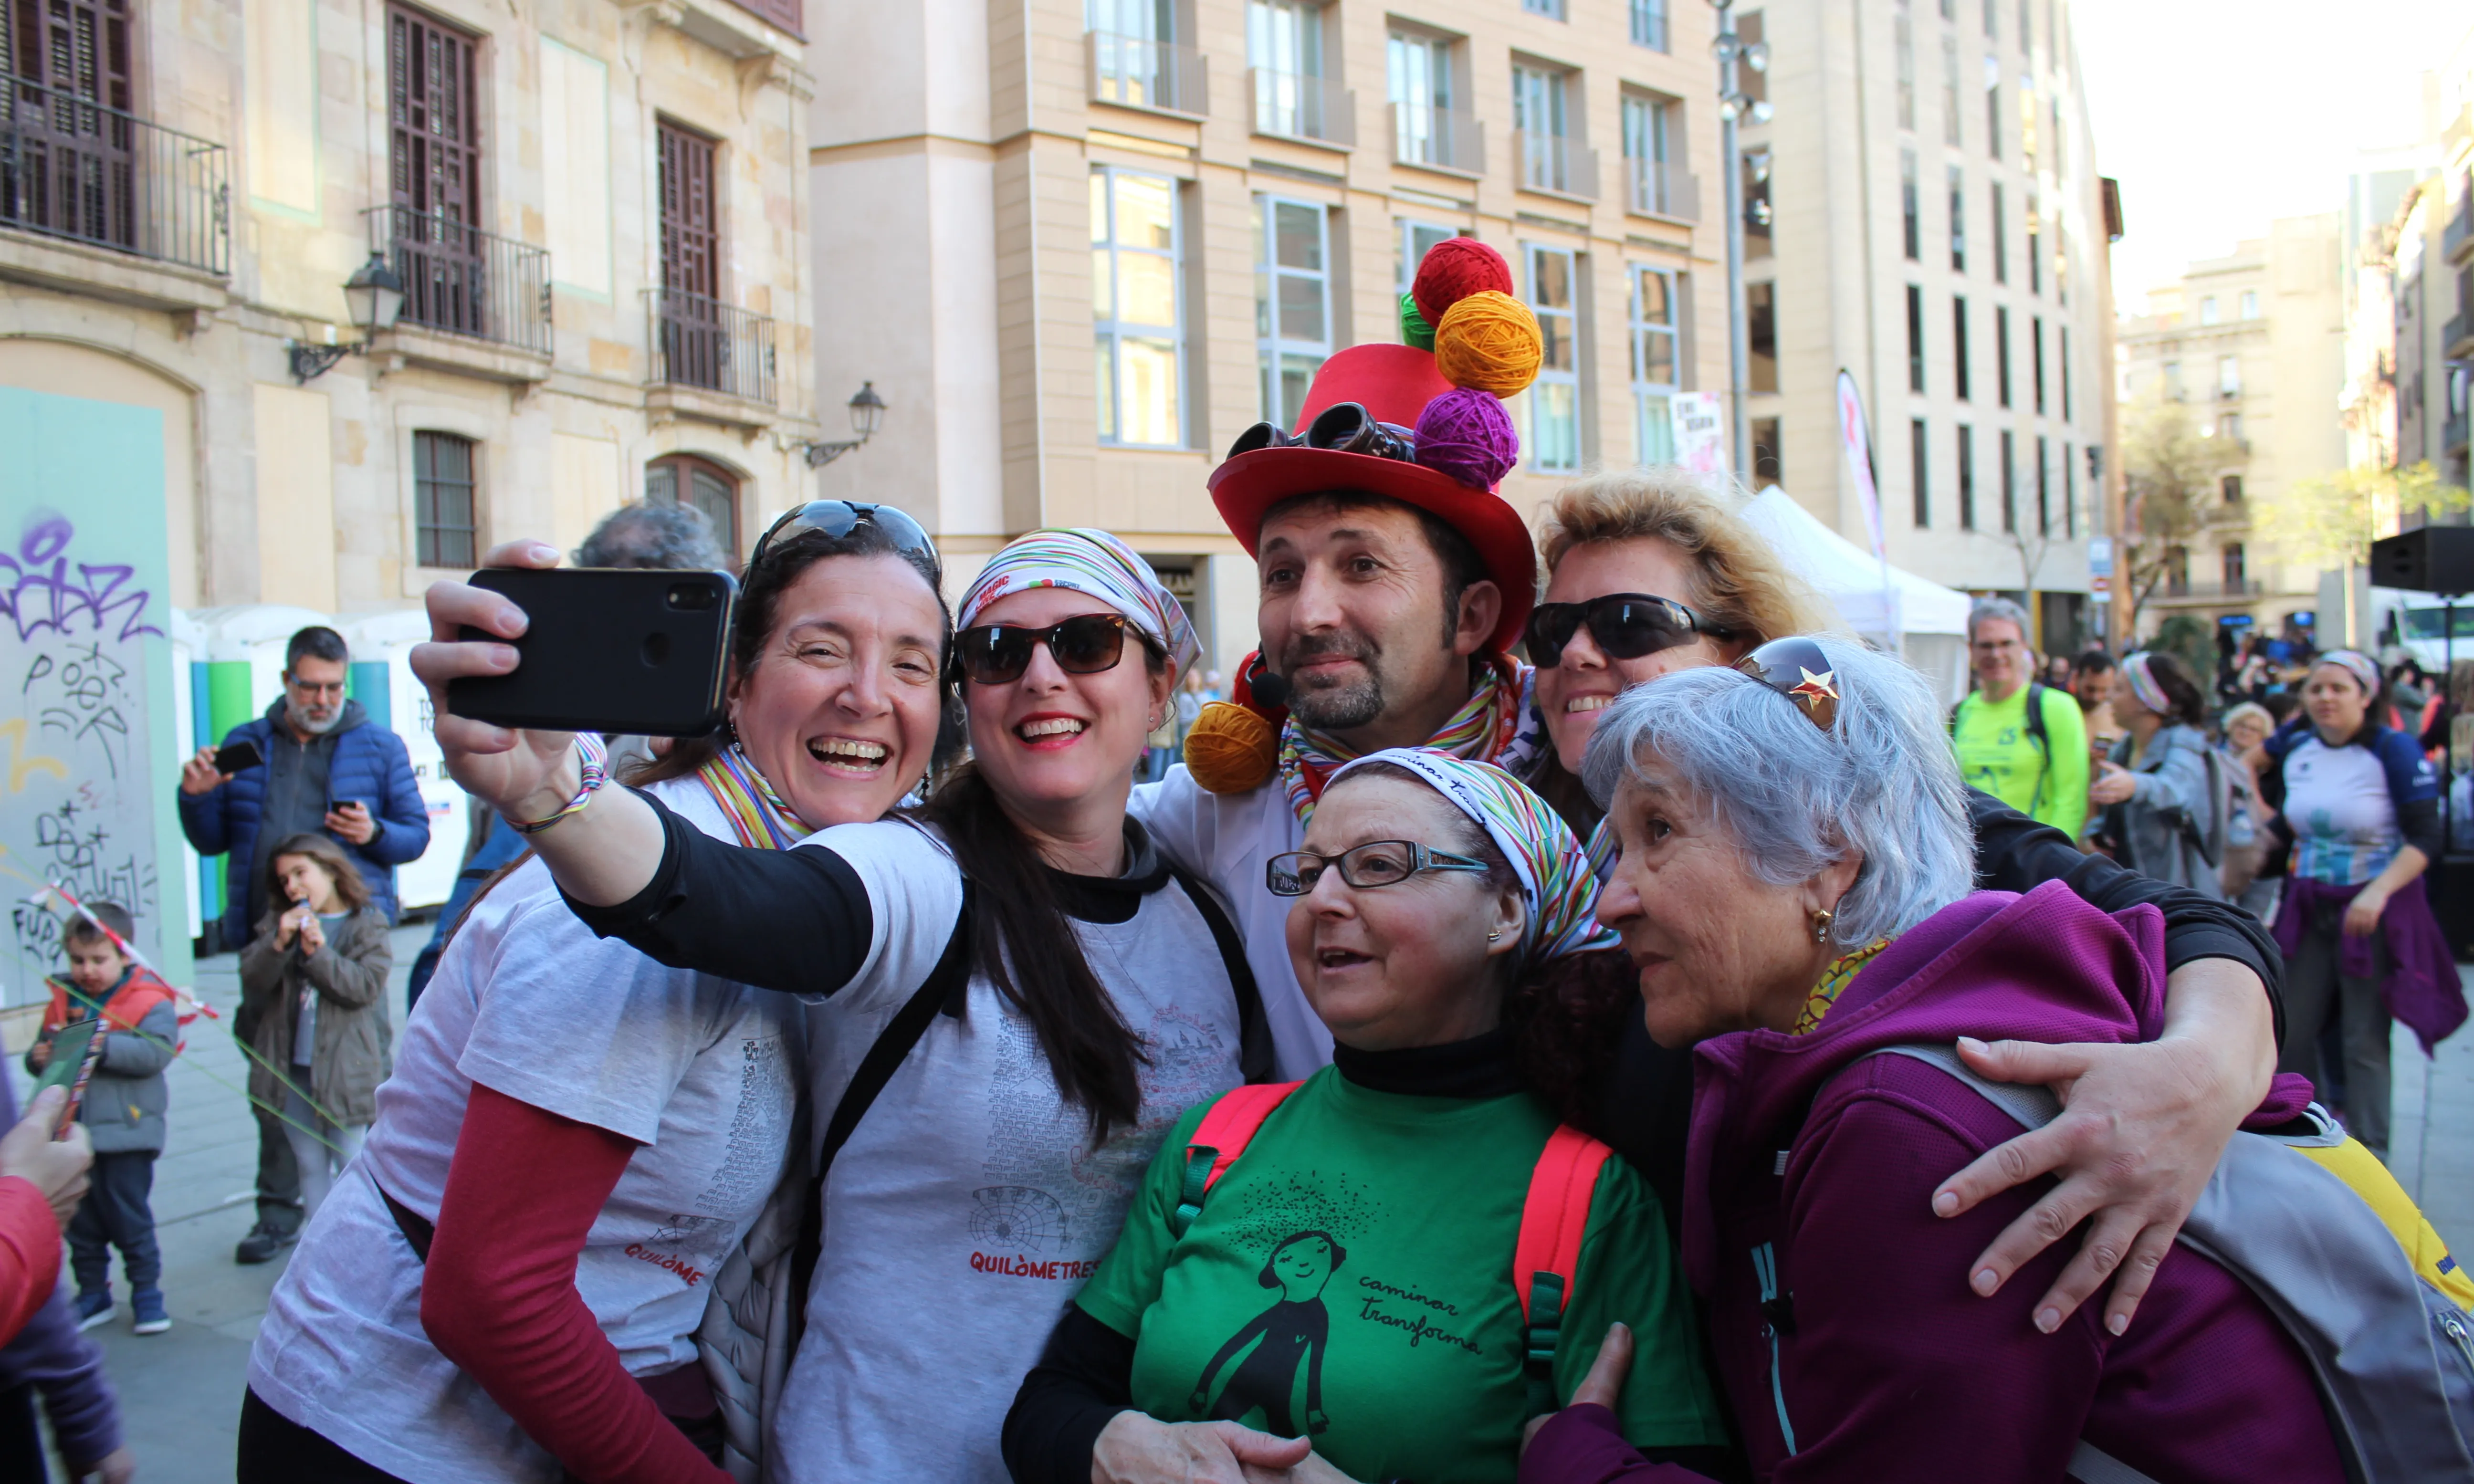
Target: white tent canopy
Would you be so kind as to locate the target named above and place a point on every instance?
(1924, 620)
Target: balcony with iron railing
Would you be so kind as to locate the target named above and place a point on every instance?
(2458, 240)
(702, 345)
(1136, 73)
(78, 173)
(462, 281)
(1663, 189)
(1302, 106)
(1444, 139)
(1556, 165)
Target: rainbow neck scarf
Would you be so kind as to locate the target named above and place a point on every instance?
(764, 822)
(1495, 725)
(1833, 979)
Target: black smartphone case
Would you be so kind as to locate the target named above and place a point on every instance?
(608, 651)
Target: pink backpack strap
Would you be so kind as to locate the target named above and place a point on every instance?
(1561, 1187)
(1224, 1134)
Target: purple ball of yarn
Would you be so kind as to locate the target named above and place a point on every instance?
(1467, 436)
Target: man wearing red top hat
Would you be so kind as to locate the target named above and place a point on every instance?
(1393, 581)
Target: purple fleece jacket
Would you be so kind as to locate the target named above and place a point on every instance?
(1888, 1366)
(64, 1364)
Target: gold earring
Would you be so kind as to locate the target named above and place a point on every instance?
(1821, 917)
(1494, 934)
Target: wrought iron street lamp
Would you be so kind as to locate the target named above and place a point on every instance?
(1736, 107)
(373, 298)
(866, 415)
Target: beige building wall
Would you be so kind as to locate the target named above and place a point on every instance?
(952, 206)
(283, 492)
(2273, 312)
(1860, 91)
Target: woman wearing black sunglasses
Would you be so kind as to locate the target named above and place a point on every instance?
(1024, 993)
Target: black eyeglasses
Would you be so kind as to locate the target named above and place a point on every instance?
(1626, 625)
(1796, 669)
(838, 517)
(1084, 645)
(1380, 862)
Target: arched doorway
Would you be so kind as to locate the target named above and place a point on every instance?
(699, 484)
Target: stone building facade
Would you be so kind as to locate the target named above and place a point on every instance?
(2253, 343)
(597, 211)
(1080, 245)
(1936, 227)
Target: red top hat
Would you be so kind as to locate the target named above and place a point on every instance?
(1394, 384)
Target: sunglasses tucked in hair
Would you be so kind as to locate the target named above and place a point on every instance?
(1084, 645)
(1626, 627)
(1796, 669)
(836, 518)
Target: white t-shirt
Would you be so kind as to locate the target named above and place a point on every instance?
(1225, 839)
(703, 1072)
(969, 1205)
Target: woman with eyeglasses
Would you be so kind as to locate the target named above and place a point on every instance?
(1360, 1263)
(1010, 995)
(512, 1278)
(1649, 574)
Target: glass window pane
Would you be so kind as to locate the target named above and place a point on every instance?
(1105, 381)
(1301, 309)
(1146, 212)
(1658, 357)
(1557, 332)
(1300, 235)
(661, 485)
(1262, 304)
(1657, 431)
(1555, 424)
(1146, 289)
(1098, 205)
(1551, 273)
(1150, 396)
(1656, 299)
(1103, 285)
(1297, 377)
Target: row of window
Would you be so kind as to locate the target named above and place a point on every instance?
(1648, 18)
(2055, 484)
(1912, 236)
(1963, 379)
(1138, 299)
(2229, 381)
(447, 507)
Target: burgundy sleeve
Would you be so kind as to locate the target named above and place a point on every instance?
(498, 1298)
(1895, 1370)
(29, 1254)
(1583, 1443)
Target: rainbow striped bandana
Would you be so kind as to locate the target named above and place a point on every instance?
(1556, 885)
(758, 815)
(1097, 565)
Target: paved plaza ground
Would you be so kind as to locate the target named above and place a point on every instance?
(191, 1377)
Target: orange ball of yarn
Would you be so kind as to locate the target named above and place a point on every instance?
(1231, 749)
(1489, 342)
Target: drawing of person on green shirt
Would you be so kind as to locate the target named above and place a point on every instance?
(1295, 1332)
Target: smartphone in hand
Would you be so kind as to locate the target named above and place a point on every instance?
(239, 757)
(607, 650)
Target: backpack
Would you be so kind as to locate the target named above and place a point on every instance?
(2036, 734)
(2317, 1229)
(1552, 1220)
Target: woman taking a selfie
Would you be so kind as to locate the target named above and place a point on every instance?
(1013, 989)
(316, 974)
(578, 1137)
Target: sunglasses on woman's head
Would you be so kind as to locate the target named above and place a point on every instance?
(998, 653)
(838, 517)
(1795, 667)
(1626, 627)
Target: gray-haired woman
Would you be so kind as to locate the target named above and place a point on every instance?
(1795, 890)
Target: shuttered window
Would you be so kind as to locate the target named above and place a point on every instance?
(445, 532)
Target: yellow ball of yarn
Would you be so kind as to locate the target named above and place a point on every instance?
(1489, 342)
(1231, 749)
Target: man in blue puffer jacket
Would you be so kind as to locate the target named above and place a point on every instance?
(325, 768)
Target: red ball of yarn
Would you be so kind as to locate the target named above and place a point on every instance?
(1452, 270)
(1467, 436)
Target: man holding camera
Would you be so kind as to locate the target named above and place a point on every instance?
(319, 766)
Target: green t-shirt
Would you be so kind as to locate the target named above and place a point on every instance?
(1997, 754)
(1350, 1277)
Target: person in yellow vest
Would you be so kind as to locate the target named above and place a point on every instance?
(2023, 742)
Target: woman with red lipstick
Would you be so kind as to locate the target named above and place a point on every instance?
(1029, 992)
(511, 1279)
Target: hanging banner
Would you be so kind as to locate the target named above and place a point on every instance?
(1701, 432)
(1857, 441)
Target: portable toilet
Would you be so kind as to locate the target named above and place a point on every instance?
(189, 723)
(395, 698)
(242, 675)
